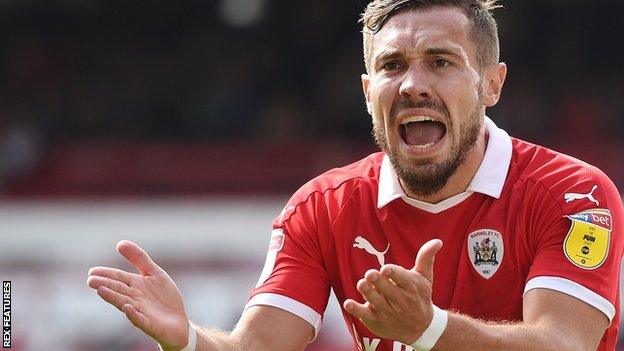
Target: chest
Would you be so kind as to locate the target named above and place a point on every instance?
(480, 271)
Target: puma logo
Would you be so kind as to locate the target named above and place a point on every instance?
(363, 244)
(569, 197)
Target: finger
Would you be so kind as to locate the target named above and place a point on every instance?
(95, 282)
(399, 275)
(113, 273)
(114, 298)
(371, 295)
(384, 286)
(381, 282)
(137, 257)
(426, 257)
(135, 317)
(359, 310)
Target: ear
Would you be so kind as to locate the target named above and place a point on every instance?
(494, 78)
(365, 86)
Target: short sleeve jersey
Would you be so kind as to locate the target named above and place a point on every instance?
(531, 218)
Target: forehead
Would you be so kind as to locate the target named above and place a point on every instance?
(422, 29)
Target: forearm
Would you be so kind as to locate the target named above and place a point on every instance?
(212, 339)
(261, 328)
(258, 331)
(466, 333)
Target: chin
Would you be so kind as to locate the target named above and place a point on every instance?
(420, 161)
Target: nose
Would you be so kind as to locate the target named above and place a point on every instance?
(415, 84)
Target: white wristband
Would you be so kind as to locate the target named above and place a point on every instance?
(430, 336)
(192, 339)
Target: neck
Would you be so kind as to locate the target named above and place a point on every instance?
(459, 181)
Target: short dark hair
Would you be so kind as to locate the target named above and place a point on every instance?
(479, 12)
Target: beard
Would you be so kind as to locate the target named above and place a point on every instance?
(425, 178)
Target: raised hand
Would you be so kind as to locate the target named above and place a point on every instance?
(398, 302)
(150, 299)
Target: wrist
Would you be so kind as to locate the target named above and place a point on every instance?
(192, 339)
(434, 331)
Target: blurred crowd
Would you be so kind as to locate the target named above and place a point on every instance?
(273, 70)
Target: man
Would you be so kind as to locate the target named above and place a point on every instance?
(447, 174)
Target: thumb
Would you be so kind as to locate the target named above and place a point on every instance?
(137, 257)
(426, 257)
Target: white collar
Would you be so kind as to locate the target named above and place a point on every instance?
(489, 179)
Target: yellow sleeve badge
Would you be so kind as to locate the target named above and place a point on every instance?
(587, 242)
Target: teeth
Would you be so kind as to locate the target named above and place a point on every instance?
(422, 147)
(418, 119)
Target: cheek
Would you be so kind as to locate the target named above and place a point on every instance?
(382, 95)
(461, 101)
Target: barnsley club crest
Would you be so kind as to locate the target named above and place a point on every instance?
(485, 249)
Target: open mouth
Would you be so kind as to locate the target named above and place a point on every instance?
(422, 131)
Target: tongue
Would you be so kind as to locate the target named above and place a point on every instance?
(422, 133)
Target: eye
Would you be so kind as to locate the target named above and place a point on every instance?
(391, 66)
(440, 63)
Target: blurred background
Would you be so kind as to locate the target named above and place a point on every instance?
(185, 126)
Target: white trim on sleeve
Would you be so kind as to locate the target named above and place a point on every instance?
(286, 303)
(574, 289)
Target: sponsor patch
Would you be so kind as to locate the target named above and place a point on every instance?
(486, 250)
(277, 240)
(587, 242)
(275, 246)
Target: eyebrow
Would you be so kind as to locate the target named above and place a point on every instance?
(442, 51)
(387, 55)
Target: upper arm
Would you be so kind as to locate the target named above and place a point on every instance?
(271, 328)
(577, 245)
(578, 324)
(294, 278)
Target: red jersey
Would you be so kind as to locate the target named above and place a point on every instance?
(531, 218)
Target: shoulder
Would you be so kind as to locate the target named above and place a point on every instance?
(363, 170)
(569, 182)
(334, 187)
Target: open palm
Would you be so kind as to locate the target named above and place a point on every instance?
(150, 299)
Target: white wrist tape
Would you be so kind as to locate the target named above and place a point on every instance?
(192, 339)
(430, 336)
